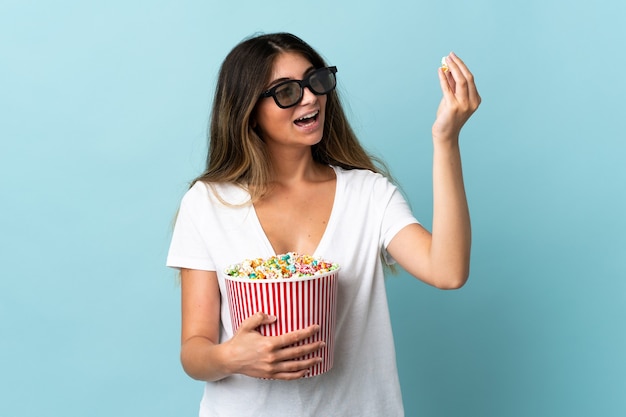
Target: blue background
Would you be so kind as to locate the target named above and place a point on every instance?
(104, 108)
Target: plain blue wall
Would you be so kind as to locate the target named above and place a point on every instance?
(104, 107)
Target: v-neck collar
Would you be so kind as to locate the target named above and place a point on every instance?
(328, 231)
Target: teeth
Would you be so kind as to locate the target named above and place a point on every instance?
(308, 116)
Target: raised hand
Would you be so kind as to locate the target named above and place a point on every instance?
(460, 99)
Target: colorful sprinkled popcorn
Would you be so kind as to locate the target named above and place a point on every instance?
(288, 265)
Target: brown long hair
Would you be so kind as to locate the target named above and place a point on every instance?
(237, 154)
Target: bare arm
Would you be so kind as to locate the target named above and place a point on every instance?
(442, 258)
(248, 352)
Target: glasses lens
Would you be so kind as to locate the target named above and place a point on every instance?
(322, 81)
(288, 93)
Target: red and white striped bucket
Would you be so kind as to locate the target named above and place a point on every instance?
(296, 302)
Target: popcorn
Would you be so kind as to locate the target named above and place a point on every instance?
(444, 64)
(288, 265)
(298, 290)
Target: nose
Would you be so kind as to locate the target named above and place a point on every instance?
(308, 96)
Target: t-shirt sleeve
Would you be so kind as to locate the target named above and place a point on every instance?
(397, 215)
(188, 248)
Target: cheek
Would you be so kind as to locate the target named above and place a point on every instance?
(323, 106)
(270, 117)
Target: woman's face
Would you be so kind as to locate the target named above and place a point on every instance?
(298, 126)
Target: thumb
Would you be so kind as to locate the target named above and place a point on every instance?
(256, 320)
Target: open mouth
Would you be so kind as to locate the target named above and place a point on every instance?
(308, 119)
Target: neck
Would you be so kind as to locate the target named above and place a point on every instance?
(291, 166)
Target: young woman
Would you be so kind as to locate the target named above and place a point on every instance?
(285, 173)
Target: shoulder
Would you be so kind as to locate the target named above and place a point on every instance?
(201, 193)
(210, 205)
(363, 180)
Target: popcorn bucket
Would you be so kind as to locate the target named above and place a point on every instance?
(296, 302)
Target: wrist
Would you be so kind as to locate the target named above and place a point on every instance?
(224, 358)
(446, 142)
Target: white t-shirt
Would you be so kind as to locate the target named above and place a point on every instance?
(367, 213)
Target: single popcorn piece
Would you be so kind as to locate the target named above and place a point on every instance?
(288, 265)
(444, 64)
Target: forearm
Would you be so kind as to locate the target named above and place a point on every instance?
(451, 230)
(203, 359)
(441, 258)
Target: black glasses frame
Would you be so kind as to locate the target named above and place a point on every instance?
(306, 82)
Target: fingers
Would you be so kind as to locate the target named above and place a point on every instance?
(460, 99)
(296, 336)
(253, 322)
(446, 80)
(256, 320)
(456, 76)
(293, 369)
(287, 356)
(294, 362)
(469, 77)
(459, 66)
(461, 80)
(298, 350)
